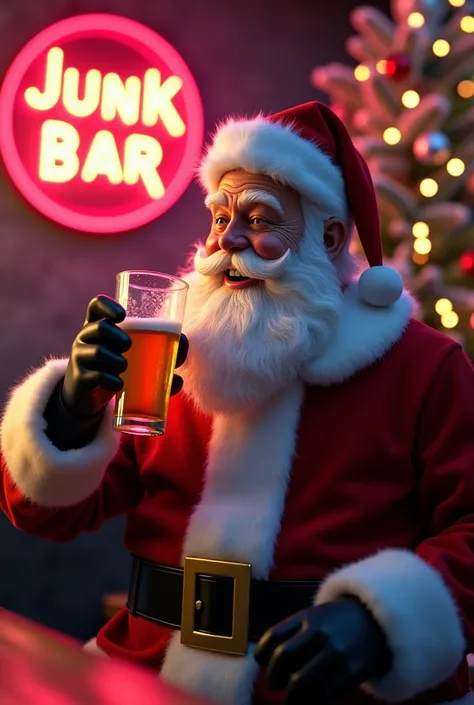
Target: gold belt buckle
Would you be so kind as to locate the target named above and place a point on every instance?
(236, 644)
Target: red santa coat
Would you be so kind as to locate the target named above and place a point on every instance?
(367, 484)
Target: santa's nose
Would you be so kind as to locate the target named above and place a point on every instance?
(229, 241)
(233, 239)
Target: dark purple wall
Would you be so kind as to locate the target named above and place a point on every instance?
(249, 56)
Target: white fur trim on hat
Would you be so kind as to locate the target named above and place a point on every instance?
(413, 606)
(43, 474)
(380, 286)
(263, 147)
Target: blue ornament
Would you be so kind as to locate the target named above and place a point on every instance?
(432, 148)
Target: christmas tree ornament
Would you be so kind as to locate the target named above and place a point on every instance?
(432, 148)
(397, 67)
(466, 263)
(470, 189)
(341, 111)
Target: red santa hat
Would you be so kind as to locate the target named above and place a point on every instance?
(309, 148)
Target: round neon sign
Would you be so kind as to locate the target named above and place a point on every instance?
(101, 123)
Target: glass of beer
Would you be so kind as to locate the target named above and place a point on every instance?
(154, 305)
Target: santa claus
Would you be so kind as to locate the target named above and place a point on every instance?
(304, 529)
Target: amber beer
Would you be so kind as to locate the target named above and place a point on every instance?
(142, 405)
(154, 304)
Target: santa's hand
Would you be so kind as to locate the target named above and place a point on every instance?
(322, 652)
(96, 361)
(93, 375)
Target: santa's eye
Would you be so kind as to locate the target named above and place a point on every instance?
(220, 220)
(257, 220)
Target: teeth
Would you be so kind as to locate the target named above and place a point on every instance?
(234, 273)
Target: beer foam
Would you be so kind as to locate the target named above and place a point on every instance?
(152, 325)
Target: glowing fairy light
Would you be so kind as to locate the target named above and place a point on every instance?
(455, 167)
(443, 306)
(467, 24)
(450, 319)
(441, 48)
(465, 89)
(422, 246)
(416, 20)
(420, 229)
(411, 99)
(392, 135)
(362, 72)
(429, 188)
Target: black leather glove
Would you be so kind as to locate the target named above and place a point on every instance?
(93, 375)
(321, 653)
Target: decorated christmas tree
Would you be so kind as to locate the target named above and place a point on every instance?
(409, 105)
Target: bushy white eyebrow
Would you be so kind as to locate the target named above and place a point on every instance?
(253, 196)
(247, 198)
(218, 198)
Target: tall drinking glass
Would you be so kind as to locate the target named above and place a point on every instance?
(154, 305)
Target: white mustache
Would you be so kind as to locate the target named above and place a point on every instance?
(247, 262)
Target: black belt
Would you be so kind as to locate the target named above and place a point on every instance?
(223, 607)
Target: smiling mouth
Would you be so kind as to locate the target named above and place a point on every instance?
(233, 275)
(235, 280)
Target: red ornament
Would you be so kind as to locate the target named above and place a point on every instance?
(397, 67)
(466, 262)
(340, 110)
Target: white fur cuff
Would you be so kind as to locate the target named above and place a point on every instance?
(417, 613)
(45, 475)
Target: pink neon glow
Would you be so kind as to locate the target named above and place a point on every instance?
(108, 43)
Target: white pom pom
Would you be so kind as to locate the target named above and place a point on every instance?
(380, 286)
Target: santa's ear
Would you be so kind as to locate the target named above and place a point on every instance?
(336, 234)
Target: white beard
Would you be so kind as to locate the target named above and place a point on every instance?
(247, 345)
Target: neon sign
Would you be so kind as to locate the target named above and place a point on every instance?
(101, 124)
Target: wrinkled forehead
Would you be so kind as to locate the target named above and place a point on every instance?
(244, 199)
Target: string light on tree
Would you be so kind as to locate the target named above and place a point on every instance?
(450, 319)
(467, 24)
(457, 3)
(471, 321)
(420, 229)
(419, 259)
(411, 99)
(465, 89)
(428, 188)
(443, 306)
(441, 48)
(362, 72)
(392, 135)
(415, 20)
(422, 245)
(455, 167)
